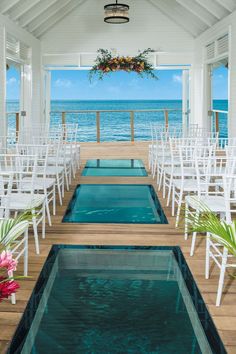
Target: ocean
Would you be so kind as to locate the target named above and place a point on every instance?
(115, 126)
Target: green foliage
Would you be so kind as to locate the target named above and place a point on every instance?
(208, 222)
(11, 229)
(105, 63)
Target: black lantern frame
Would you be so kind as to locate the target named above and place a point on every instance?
(116, 13)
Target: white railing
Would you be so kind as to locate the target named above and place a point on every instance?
(74, 116)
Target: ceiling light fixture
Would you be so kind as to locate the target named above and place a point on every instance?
(116, 13)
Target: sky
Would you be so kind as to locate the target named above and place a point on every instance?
(75, 85)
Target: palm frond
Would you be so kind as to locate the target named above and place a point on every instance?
(11, 229)
(205, 221)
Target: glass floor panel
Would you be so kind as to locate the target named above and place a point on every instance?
(105, 299)
(114, 168)
(117, 203)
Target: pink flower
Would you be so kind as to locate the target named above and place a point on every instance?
(6, 261)
(7, 288)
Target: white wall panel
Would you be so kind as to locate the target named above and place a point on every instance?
(35, 45)
(85, 31)
(199, 100)
(2, 81)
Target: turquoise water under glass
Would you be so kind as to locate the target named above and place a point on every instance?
(114, 168)
(117, 203)
(101, 299)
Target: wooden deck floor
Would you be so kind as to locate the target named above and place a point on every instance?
(118, 234)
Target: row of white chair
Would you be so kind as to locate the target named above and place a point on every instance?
(194, 173)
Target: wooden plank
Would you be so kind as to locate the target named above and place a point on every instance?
(121, 234)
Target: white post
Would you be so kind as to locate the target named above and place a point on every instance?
(232, 83)
(47, 98)
(3, 118)
(207, 97)
(185, 100)
(26, 97)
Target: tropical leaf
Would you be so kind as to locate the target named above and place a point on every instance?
(11, 229)
(205, 221)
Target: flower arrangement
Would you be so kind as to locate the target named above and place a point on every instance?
(8, 285)
(10, 230)
(106, 63)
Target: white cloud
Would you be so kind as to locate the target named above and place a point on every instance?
(177, 78)
(64, 83)
(220, 76)
(12, 81)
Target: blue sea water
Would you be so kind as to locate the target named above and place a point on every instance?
(115, 126)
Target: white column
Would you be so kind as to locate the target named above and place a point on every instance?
(26, 97)
(207, 97)
(185, 100)
(47, 98)
(196, 95)
(232, 84)
(3, 119)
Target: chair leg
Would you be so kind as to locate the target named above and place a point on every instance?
(173, 201)
(186, 221)
(164, 185)
(179, 208)
(169, 190)
(13, 299)
(54, 200)
(160, 180)
(67, 180)
(36, 237)
(26, 253)
(48, 211)
(59, 190)
(207, 266)
(43, 219)
(221, 280)
(13, 296)
(193, 244)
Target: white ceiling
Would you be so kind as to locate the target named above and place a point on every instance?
(39, 16)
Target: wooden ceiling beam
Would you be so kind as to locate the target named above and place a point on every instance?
(6, 5)
(57, 17)
(34, 12)
(21, 8)
(198, 11)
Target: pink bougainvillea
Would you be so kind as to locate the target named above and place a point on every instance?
(8, 285)
(6, 261)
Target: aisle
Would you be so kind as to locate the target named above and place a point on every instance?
(120, 234)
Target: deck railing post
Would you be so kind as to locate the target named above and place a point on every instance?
(132, 125)
(98, 126)
(17, 125)
(217, 121)
(63, 122)
(63, 118)
(166, 114)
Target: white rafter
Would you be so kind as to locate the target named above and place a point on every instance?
(45, 15)
(229, 5)
(197, 10)
(34, 12)
(57, 17)
(215, 8)
(180, 16)
(21, 8)
(6, 5)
